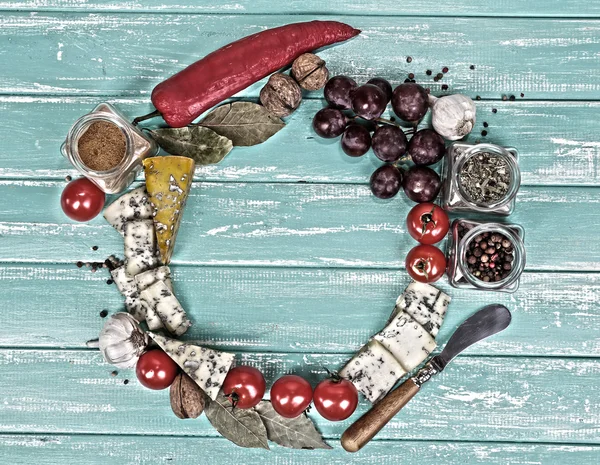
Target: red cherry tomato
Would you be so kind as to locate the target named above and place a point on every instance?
(291, 395)
(156, 370)
(427, 223)
(82, 200)
(335, 399)
(425, 263)
(245, 386)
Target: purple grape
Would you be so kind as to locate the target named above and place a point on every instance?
(337, 92)
(426, 147)
(368, 101)
(386, 181)
(356, 140)
(389, 143)
(421, 184)
(384, 85)
(410, 102)
(329, 123)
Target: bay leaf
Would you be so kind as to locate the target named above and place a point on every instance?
(204, 145)
(296, 433)
(245, 123)
(243, 427)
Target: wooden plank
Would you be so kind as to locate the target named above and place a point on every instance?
(297, 310)
(50, 449)
(297, 225)
(559, 143)
(127, 54)
(510, 8)
(491, 398)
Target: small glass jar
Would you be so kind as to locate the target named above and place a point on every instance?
(454, 197)
(462, 233)
(137, 147)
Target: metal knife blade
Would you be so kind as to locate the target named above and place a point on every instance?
(490, 320)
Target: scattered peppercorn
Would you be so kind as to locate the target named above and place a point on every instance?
(522, 95)
(472, 67)
(68, 178)
(125, 381)
(494, 110)
(428, 72)
(484, 133)
(512, 98)
(103, 313)
(114, 373)
(438, 76)
(477, 97)
(485, 125)
(408, 59)
(95, 247)
(445, 69)
(79, 264)
(411, 75)
(109, 281)
(504, 97)
(444, 86)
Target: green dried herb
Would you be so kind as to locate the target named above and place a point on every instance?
(485, 178)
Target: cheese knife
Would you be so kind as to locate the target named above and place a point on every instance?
(488, 321)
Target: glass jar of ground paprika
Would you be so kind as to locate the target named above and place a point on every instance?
(107, 149)
(485, 256)
(480, 178)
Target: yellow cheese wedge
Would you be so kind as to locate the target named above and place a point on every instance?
(168, 182)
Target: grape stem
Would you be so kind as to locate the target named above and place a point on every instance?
(389, 122)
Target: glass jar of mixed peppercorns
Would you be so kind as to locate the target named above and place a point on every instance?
(482, 178)
(487, 256)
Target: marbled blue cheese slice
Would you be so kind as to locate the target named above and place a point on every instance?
(159, 298)
(407, 341)
(147, 278)
(128, 287)
(140, 247)
(373, 371)
(131, 206)
(426, 304)
(152, 319)
(207, 367)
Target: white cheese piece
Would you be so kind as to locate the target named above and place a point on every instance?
(207, 367)
(407, 340)
(132, 206)
(148, 278)
(373, 371)
(140, 247)
(160, 298)
(152, 319)
(426, 304)
(128, 287)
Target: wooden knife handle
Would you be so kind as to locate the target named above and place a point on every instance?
(367, 426)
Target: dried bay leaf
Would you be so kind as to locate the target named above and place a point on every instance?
(296, 433)
(245, 123)
(243, 427)
(205, 146)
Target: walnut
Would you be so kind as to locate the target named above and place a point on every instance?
(310, 71)
(281, 95)
(187, 399)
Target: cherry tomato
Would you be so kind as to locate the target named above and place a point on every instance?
(82, 200)
(156, 370)
(335, 399)
(245, 386)
(427, 223)
(425, 263)
(291, 395)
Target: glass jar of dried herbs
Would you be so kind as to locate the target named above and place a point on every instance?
(482, 178)
(485, 256)
(107, 149)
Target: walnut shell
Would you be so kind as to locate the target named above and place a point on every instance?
(310, 71)
(281, 95)
(187, 399)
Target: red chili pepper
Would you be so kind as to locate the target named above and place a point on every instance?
(219, 75)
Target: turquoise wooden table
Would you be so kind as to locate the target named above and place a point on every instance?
(284, 256)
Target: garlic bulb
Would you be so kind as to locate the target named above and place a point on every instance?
(122, 341)
(452, 116)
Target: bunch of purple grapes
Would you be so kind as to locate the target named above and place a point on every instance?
(410, 103)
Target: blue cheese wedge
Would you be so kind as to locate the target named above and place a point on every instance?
(140, 247)
(159, 298)
(128, 287)
(407, 341)
(152, 319)
(373, 371)
(207, 367)
(147, 278)
(426, 304)
(132, 206)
